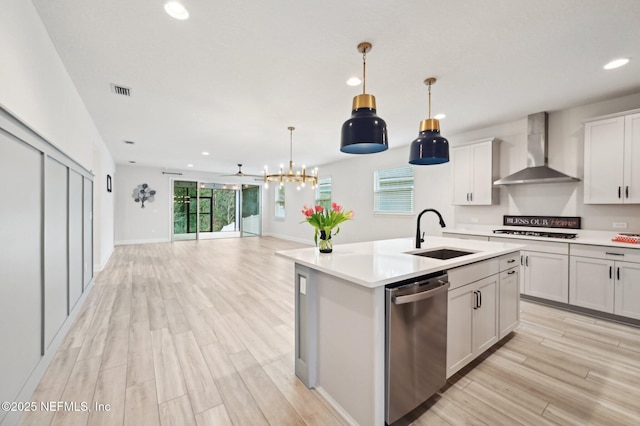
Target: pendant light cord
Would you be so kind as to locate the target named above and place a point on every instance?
(429, 85)
(364, 71)
(291, 149)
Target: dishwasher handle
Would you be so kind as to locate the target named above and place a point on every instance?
(400, 300)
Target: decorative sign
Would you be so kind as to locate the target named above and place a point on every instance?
(567, 222)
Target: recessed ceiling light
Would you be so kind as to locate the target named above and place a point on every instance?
(354, 81)
(175, 9)
(205, 153)
(616, 63)
(440, 116)
(189, 165)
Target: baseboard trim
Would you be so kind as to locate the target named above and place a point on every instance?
(150, 241)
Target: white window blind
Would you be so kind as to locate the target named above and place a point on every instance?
(393, 190)
(323, 193)
(279, 212)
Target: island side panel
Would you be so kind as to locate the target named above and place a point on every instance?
(350, 357)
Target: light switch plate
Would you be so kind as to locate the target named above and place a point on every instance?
(621, 225)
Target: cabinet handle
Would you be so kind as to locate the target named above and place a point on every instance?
(511, 260)
(610, 253)
(618, 273)
(526, 261)
(511, 272)
(626, 191)
(471, 196)
(475, 300)
(480, 295)
(619, 192)
(521, 261)
(610, 272)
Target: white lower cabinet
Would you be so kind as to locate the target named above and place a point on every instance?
(544, 268)
(605, 285)
(472, 322)
(591, 283)
(508, 301)
(546, 275)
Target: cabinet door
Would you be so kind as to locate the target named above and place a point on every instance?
(461, 175)
(591, 283)
(603, 161)
(460, 328)
(632, 159)
(547, 276)
(485, 322)
(509, 301)
(627, 291)
(481, 174)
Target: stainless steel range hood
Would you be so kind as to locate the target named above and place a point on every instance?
(537, 170)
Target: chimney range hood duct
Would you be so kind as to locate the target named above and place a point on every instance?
(537, 170)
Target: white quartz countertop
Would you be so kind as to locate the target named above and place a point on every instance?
(584, 236)
(377, 263)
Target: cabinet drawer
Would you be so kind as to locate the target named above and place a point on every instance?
(604, 252)
(535, 245)
(509, 261)
(473, 272)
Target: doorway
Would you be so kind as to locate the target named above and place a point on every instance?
(205, 210)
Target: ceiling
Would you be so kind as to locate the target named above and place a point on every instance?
(234, 76)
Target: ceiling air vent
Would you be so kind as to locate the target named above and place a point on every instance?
(120, 90)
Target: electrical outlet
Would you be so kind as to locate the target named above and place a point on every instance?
(621, 225)
(474, 220)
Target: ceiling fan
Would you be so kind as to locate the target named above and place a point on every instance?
(239, 173)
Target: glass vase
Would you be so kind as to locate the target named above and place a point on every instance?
(325, 245)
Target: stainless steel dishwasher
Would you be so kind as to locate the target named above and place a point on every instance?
(416, 342)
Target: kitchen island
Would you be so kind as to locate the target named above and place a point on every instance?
(340, 312)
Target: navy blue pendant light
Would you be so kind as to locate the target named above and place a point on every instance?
(429, 148)
(364, 132)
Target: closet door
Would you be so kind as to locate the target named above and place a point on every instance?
(20, 264)
(56, 278)
(75, 237)
(87, 232)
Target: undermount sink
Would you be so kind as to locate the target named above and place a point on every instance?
(443, 253)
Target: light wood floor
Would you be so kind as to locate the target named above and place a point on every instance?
(201, 333)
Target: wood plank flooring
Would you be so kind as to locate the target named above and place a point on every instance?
(201, 333)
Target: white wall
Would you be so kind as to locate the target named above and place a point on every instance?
(153, 223)
(36, 88)
(352, 183)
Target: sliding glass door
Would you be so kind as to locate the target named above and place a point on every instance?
(203, 210)
(251, 223)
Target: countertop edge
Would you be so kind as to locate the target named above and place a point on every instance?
(443, 266)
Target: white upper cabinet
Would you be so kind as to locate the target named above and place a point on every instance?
(612, 160)
(475, 167)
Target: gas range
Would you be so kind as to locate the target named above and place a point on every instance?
(545, 234)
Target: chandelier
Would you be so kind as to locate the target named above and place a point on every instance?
(300, 177)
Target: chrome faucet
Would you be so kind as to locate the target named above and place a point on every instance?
(419, 238)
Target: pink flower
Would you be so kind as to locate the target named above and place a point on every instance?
(307, 211)
(319, 209)
(350, 213)
(336, 207)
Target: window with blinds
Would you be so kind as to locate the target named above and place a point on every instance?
(323, 193)
(279, 202)
(393, 190)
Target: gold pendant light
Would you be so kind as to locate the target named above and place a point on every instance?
(300, 177)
